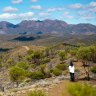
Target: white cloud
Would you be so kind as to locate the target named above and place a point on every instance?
(67, 15)
(17, 1)
(21, 16)
(92, 4)
(7, 16)
(55, 9)
(86, 15)
(26, 15)
(76, 6)
(10, 9)
(89, 17)
(93, 10)
(34, 0)
(37, 7)
(91, 7)
(44, 14)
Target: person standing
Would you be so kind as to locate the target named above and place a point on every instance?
(72, 70)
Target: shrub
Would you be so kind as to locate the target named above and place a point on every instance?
(61, 66)
(10, 62)
(23, 65)
(0, 65)
(48, 74)
(56, 72)
(33, 66)
(45, 60)
(62, 55)
(17, 74)
(51, 70)
(73, 52)
(84, 53)
(30, 51)
(37, 75)
(36, 93)
(93, 69)
(42, 68)
(81, 90)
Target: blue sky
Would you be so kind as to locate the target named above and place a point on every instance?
(71, 11)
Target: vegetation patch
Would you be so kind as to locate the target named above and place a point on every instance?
(79, 89)
(56, 72)
(36, 93)
(61, 66)
(93, 69)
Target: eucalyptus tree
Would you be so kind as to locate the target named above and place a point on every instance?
(85, 55)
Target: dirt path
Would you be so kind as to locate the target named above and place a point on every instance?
(59, 89)
(26, 47)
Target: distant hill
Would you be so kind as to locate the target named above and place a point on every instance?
(45, 33)
(46, 27)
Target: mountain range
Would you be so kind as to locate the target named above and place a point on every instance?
(46, 27)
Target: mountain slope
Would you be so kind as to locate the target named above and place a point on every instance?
(46, 27)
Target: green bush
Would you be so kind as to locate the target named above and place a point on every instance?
(42, 68)
(73, 52)
(45, 60)
(79, 89)
(51, 70)
(17, 74)
(93, 69)
(0, 65)
(36, 93)
(36, 75)
(33, 66)
(56, 72)
(62, 55)
(48, 74)
(23, 65)
(30, 51)
(10, 63)
(61, 66)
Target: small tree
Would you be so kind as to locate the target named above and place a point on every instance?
(62, 55)
(50, 52)
(73, 52)
(85, 55)
(23, 65)
(42, 68)
(93, 50)
(35, 56)
(17, 74)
